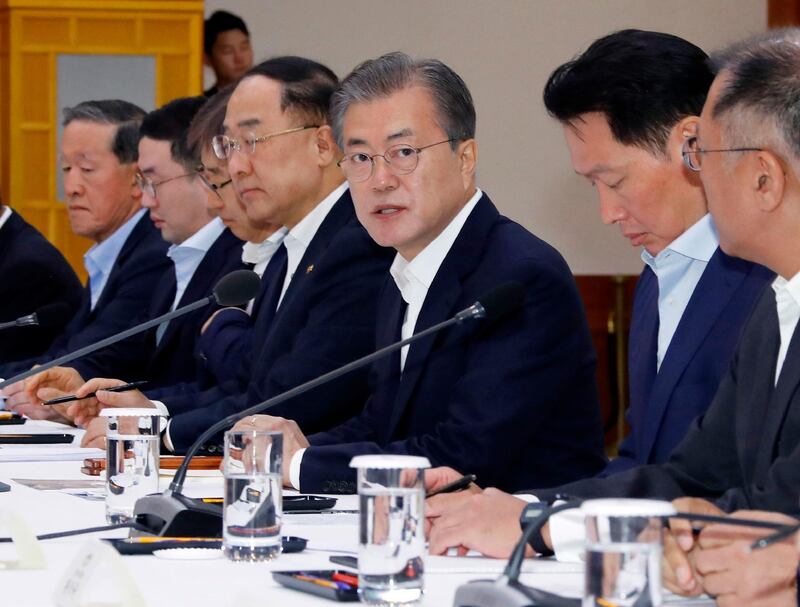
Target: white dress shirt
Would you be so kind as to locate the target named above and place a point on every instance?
(259, 254)
(678, 269)
(413, 279)
(4, 215)
(186, 257)
(100, 259)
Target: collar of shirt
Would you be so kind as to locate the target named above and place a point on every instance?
(699, 243)
(415, 277)
(188, 255)
(301, 235)
(259, 253)
(787, 304)
(4, 216)
(100, 259)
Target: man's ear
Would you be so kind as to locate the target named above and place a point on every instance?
(685, 129)
(136, 191)
(768, 180)
(468, 158)
(327, 150)
(207, 60)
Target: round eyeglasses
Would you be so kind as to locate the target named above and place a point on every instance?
(692, 153)
(148, 187)
(401, 159)
(224, 146)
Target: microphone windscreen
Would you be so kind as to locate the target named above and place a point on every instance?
(53, 315)
(503, 300)
(237, 288)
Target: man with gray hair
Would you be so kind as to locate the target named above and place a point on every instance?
(512, 401)
(743, 454)
(99, 152)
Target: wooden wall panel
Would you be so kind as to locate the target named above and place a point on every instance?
(32, 35)
(783, 13)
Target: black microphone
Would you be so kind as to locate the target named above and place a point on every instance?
(233, 289)
(174, 514)
(49, 316)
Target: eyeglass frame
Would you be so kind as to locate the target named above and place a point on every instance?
(686, 153)
(148, 187)
(214, 187)
(372, 157)
(237, 146)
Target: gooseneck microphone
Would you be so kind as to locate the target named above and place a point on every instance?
(51, 315)
(233, 289)
(173, 514)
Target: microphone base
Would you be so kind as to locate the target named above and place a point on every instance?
(505, 593)
(177, 516)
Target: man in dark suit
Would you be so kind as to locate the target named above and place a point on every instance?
(33, 274)
(490, 398)
(202, 251)
(98, 159)
(318, 307)
(691, 299)
(743, 454)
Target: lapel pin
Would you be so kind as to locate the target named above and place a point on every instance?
(310, 269)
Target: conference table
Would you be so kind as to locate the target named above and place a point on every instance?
(50, 496)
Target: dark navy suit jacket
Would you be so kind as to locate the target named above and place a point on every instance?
(514, 402)
(326, 319)
(33, 274)
(172, 358)
(663, 405)
(744, 453)
(140, 263)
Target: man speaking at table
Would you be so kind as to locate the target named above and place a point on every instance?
(317, 308)
(514, 401)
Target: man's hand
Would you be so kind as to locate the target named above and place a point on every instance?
(678, 571)
(28, 396)
(95, 433)
(436, 478)
(293, 437)
(487, 522)
(84, 411)
(738, 576)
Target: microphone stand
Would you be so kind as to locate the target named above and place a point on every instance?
(23, 321)
(174, 514)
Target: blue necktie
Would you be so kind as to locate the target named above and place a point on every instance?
(643, 352)
(271, 286)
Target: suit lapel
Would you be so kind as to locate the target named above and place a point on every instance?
(440, 301)
(713, 292)
(788, 383)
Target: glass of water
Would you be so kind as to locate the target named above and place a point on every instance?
(252, 510)
(132, 459)
(391, 493)
(624, 544)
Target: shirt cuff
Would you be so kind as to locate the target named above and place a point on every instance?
(167, 440)
(528, 498)
(568, 535)
(294, 468)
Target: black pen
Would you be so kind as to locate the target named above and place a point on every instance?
(774, 537)
(68, 399)
(462, 483)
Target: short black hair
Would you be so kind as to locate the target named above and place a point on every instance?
(125, 115)
(644, 82)
(218, 22)
(171, 123)
(307, 85)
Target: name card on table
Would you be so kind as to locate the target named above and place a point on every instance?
(29, 551)
(97, 564)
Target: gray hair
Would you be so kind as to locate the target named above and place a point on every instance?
(125, 115)
(381, 77)
(760, 100)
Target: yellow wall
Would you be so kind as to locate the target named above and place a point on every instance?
(32, 34)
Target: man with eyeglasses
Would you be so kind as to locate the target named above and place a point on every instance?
(743, 454)
(225, 337)
(202, 251)
(98, 158)
(512, 401)
(318, 304)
